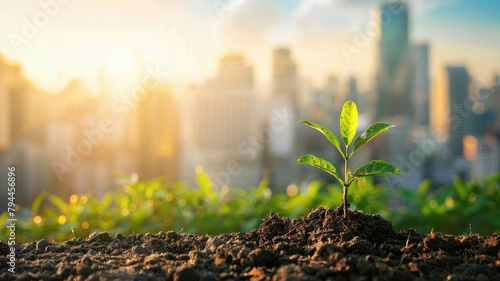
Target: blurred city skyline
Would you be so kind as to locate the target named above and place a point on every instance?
(171, 89)
(57, 41)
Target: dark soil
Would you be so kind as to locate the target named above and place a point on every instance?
(319, 246)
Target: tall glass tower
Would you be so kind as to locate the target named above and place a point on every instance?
(393, 71)
(460, 119)
(421, 83)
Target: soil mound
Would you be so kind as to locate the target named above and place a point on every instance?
(320, 246)
(321, 223)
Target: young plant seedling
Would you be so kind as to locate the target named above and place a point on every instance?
(348, 126)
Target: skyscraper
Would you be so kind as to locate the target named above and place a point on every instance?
(234, 73)
(420, 83)
(393, 103)
(284, 76)
(460, 119)
(5, 138)
(158, 129)
(279, 153)
(494, 100)
(393, 71)
(15, 100)
(219, 128)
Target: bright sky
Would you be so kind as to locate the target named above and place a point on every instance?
(58, 40)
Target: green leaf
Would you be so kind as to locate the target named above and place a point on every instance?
(313, 189)
(423, 188)
(63, 207)
(348, 122)
(376, 168)
(370, 133)
(328, 134)
(264, 183)
(320, 164)
(35, 206)
(205, 183)
(461, 188)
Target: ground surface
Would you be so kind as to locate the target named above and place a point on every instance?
(319, 246)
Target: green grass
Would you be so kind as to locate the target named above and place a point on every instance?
(152, 206)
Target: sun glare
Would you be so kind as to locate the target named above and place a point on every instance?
(120, 65)
(120, 61)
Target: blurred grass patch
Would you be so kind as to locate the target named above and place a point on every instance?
(152, 206)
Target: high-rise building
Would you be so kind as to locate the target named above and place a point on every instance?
(353, 89)
(158, 131)
(325, 100)
(483, 121)
(483, 154)
(393, 71)
(5, 138)
(219, 129)
(420, 83)
(22, 113)
(234, 73)
(439, 105)
(460, 119)
(14, 105)
(284, 74)
(394, 94)
(279, 153)
(494, 100)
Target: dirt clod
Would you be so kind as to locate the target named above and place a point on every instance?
(186, 274)
(42, 244)
(320, 246)
(262, 257)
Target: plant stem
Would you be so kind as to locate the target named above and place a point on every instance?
(346, 182)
